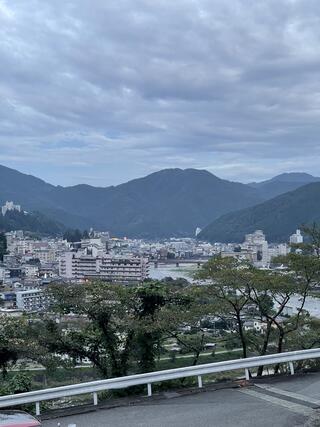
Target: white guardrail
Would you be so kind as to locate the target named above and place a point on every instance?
(94, 387)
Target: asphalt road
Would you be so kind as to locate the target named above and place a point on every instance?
(285, 402)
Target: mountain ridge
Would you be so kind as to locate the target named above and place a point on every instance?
(164, 203)
(169, 202)
(283, 183)
(278, 217)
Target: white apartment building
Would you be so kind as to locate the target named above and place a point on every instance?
(17, 245)
(33, 300)
(258, 245)
(10, 206)
(296, 238)
(282, 249)
(85, 265)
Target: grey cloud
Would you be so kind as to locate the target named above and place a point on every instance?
(120, 88)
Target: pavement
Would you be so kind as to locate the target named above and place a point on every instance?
(267, 402)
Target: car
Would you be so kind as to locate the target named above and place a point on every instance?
(17, 419)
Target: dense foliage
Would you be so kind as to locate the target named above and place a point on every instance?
(127, 329)
(283, 183)
(76, 235)
(166, 203)
(34, 222)
(3, 245)
(278, 217)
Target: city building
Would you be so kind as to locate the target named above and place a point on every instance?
(296, 238)
(198, 231)
(10, 206)
(33, 300)
(89, 265)
(257, 244)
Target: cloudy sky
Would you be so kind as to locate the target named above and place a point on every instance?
(105, 91)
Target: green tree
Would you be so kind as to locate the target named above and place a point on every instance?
(10, 342)
(304, 271)
(116, 325)
(245, 291)
(3, 245)
(72, 236)
(226, 280)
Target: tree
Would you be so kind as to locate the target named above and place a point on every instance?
(10, 333)
(148, 300)
(304, 271)
(116, 325)
(225, 279)
(3, 245)
(312, 233)
(243, 290)
(269, 293)
(85, 235)
(73, 236)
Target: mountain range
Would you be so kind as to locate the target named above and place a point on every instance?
(171, 202)
(34, 222)
(283, 183)
(165, 203)
(278, 217)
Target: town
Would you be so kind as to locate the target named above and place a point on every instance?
(31, 264)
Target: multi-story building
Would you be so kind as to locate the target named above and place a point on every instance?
(10, 206)
(258, 245)
(296, 238)
(45, 255)
(33, 300)
(86, 265)
(31, 270)
(282, 249)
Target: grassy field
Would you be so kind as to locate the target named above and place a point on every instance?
(65, 376)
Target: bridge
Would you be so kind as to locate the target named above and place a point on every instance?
(177, 262)
(228, 407)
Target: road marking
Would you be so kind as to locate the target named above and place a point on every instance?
(291, 406)
(289, 394)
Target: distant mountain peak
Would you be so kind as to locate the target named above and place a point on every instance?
(170, 202)
(278, 217)
(283, 183)
(295, 177)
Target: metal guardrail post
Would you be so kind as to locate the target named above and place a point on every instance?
(95, 399)
(94, 387)
(291, 368)
(247, 373)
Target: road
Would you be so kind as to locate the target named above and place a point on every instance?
(89, 365)
(286, 402)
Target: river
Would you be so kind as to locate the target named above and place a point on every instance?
(187, 270)
(171, 270)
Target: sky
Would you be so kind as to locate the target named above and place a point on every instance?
(101, 92)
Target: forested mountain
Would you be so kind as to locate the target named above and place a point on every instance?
(34, 222)
(165, 203)
(171, 202)
(283, 183)
(278, 217)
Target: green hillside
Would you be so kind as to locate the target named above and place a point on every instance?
(278, 217)
(171, 202)
(34, 222)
